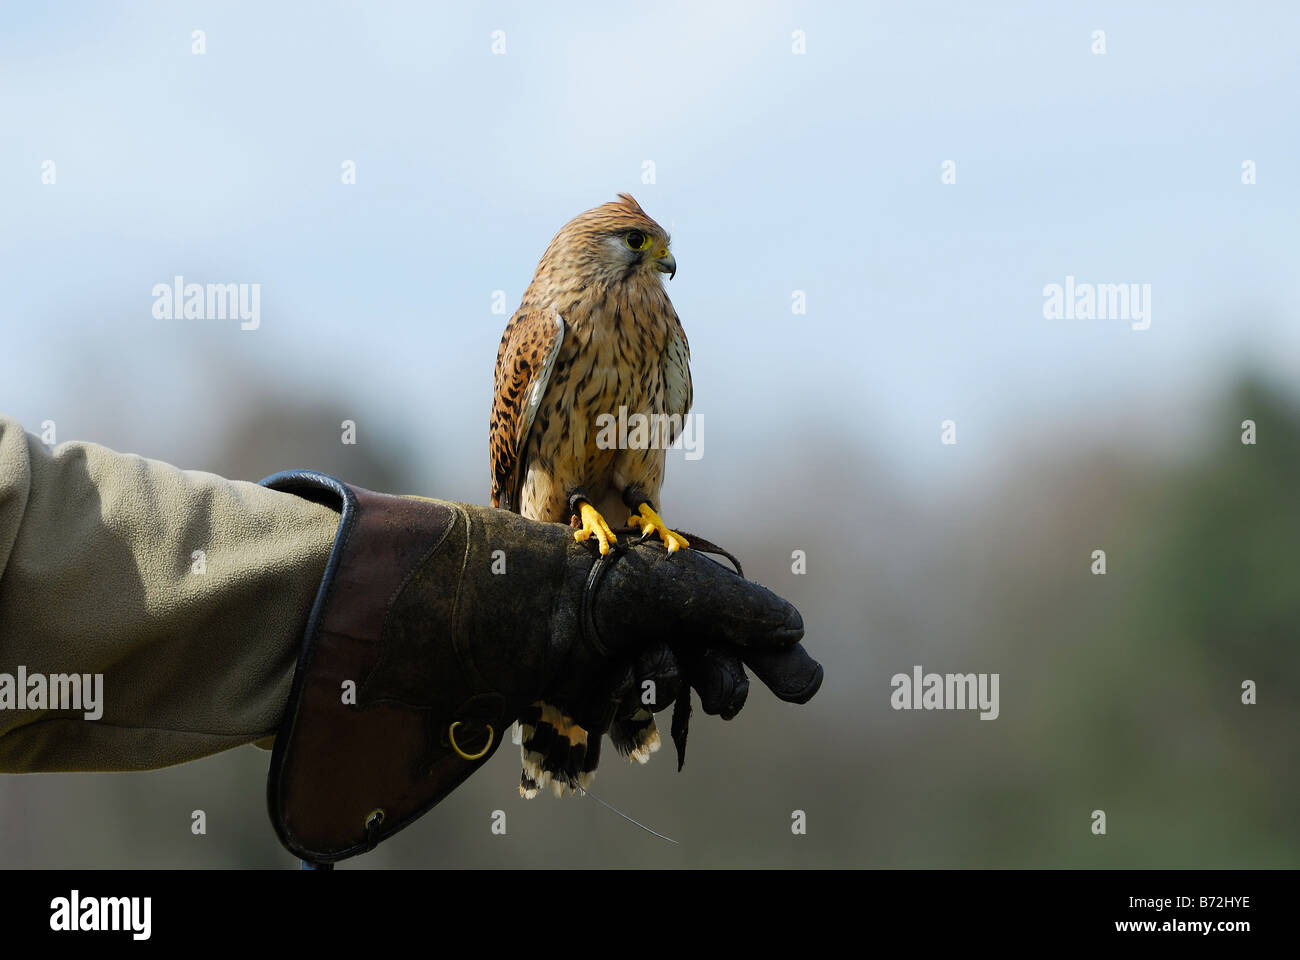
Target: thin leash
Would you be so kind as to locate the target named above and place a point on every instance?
(609, 806)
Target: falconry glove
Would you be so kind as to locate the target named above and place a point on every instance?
(437, 624)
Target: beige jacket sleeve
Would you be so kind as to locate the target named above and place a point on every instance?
(122, 647)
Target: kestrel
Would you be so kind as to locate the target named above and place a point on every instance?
(594, 339)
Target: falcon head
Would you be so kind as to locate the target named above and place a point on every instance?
(613, 244)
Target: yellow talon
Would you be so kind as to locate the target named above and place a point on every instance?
(593, 522)
(650, 522)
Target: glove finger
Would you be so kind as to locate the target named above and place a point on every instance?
(649, 593)
(658, 680)
(719, 678)
(653, 673)
(604, 702)
(790, 674)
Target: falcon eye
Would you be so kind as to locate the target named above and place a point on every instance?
(637, 240)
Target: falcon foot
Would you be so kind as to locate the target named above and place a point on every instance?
(594, 524)
(650, 523)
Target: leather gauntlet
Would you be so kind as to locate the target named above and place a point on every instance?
(437, 623)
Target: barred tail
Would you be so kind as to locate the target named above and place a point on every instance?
(636, 737)
(555, 751)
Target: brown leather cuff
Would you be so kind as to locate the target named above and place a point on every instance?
(356, 758)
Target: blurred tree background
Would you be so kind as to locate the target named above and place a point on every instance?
(1119, 692)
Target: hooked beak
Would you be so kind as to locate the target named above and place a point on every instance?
(665, 263)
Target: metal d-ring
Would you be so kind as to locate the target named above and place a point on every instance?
(451, 735)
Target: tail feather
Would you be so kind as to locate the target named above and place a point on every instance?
(555, 752)
(636, 737)
(587, 772)
(558, 753)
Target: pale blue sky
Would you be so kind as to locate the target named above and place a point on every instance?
(774, 172)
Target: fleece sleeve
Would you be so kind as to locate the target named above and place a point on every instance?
(148, 615)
